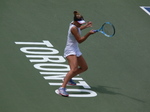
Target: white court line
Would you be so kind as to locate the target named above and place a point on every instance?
(143, 8)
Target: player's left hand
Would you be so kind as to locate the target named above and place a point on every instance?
(89, 24)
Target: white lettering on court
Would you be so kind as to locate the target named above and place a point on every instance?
(52, 66)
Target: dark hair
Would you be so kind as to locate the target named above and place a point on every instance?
(77, 16)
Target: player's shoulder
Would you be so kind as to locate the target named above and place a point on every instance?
(74, 29)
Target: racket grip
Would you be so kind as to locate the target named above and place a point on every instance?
(95, 31)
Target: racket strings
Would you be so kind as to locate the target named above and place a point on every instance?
(108, 29)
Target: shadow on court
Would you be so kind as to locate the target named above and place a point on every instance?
(105, 90)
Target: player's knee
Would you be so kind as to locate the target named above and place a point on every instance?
(85, 68)
(74, 70)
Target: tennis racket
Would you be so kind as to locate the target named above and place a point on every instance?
(107, 29)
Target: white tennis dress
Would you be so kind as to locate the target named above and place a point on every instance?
(72, 44)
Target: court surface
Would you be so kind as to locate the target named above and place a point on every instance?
(119, 67)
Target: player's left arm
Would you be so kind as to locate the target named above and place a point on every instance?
(87, 25)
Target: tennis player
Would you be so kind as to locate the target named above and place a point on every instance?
(72, 52)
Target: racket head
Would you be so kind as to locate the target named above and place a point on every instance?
(107, 29)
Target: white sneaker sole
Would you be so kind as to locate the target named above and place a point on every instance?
(57, 92)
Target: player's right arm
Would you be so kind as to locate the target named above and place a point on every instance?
(76, 34)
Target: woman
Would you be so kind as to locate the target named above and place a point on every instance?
(72, 52)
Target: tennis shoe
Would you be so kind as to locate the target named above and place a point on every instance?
(71, 82)
(62, 91)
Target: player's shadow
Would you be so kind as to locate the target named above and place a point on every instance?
(105, 90)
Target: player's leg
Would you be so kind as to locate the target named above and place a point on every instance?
(73, 63)
(82, 65)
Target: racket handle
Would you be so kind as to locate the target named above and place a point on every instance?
(95, 30)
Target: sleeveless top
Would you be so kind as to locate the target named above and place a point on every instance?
(72, 44)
